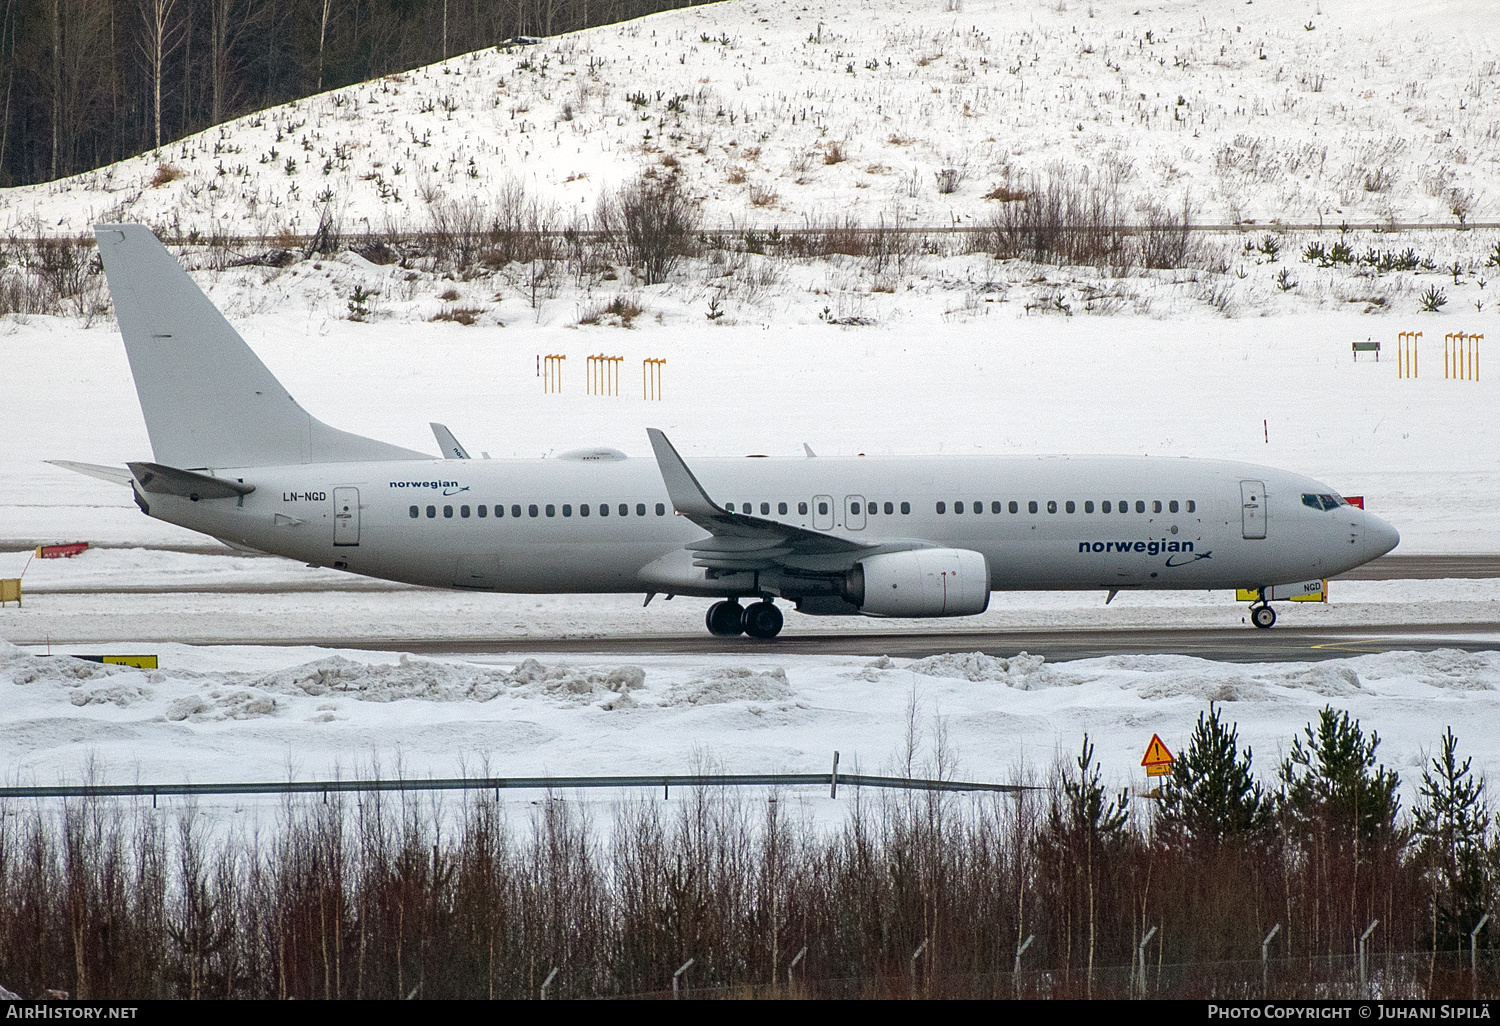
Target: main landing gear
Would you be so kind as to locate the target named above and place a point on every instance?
(1263, 616)
(729, 619)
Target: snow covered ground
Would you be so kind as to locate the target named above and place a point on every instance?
(216, 714)
(1358, 111)
(788, 113)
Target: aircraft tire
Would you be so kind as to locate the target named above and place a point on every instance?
(725, 619)
(762, 620)
(1263, 617)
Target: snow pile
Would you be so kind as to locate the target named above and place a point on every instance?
(1023, 672)
(1448, 668)
(732, 684)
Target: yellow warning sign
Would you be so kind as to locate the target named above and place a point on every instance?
(1157, 760)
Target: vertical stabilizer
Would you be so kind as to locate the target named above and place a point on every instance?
(207, 398)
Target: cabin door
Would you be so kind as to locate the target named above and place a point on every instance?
(346, 516)
(1253, 508)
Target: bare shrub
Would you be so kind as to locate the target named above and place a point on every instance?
(620, 311)
(834, 154)
(1166, 236)
(1070, 216)
(762, 197)
(652, 225)
(465, 315)
(165, 173)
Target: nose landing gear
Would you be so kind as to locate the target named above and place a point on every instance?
(1263, 616)
(728, 619)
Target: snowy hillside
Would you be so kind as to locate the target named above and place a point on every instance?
(907, 111)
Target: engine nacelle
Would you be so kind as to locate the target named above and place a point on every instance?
(920, 582)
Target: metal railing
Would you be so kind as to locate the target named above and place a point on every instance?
(665, 781)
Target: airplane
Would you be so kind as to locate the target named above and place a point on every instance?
(235, 457)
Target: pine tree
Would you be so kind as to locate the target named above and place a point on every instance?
(1211, 794)
(1334, 778)
(1452, 827)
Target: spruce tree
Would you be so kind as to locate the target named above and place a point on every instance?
(1334, 778)
(1452, 827)
(1211, 794)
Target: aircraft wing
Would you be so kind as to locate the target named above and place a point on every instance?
(740, 541)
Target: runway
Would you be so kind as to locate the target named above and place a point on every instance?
(1236, 645)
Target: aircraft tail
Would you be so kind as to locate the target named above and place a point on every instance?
(207, 398)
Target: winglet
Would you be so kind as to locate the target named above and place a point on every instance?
(452, 450)
(808, 449)
(687, 495)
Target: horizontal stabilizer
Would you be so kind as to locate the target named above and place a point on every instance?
(161, 480)
(114, 475)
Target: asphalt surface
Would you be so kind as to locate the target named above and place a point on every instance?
(1232, 644)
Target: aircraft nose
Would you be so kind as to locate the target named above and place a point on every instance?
(1380, 537)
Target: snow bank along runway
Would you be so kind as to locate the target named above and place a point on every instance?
(264, 713)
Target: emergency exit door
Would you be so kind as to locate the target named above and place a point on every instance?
(1253, 508)
(346, 516)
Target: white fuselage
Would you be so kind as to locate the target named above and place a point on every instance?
(1172, 523)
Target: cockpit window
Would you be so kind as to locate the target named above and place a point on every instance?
(1321, 502)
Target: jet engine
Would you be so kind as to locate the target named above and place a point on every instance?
(920, 582)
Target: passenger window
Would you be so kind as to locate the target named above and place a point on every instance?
(515, 511)
(1070, 507)
(1031, 506)
(958, 507)
(1014, 506)
(890, 508)
(746, 507)
(1088, 506)
(463, 511)
(1140, 506)
(781, 509)
(448, 512)
(1192, 506)
(431, 512)
(1051, 505)
(822, 509)
(729, 506)
(942, 507)
(483, 511)
(604, 509)
(995, 507)
(854, 508)
(1124, 505)
(765, 509)
(661, 509)
(500, 511)
(567, 510)
(551, 510)
(979, 506)
(906, 507)
(1172, 506)
(1156, 505)
(414, 512)
(802, 508)
(583, 509)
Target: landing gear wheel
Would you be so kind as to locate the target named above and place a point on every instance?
(725, 619)
(762, 620)
(1263, 617)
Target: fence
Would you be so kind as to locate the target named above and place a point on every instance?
(1396, 976)
(665, 781)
